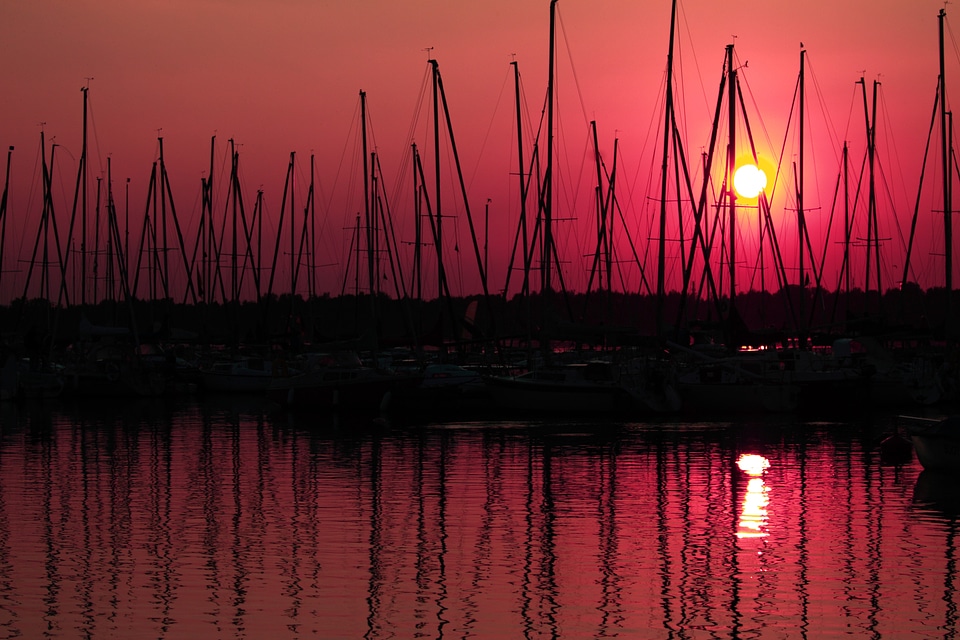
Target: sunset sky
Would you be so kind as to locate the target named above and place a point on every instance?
(284, 76)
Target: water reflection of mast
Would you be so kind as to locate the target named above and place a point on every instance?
(803, 583)
(238, 544)
(210, 484)
(663, 531)
(52, 556)
(493, 456)
(376, 538)
(159, 505)
(85, 564)
(548, 572)
(538, 586)
(526, 588)
(611, 605)
(423, 547)
(442, 534)
(848, 537)
(873, 557)
(949, 576)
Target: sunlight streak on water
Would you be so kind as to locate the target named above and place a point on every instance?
(753, 512)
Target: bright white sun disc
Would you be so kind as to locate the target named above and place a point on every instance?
(749, 180)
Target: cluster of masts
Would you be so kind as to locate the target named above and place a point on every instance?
(134, 267)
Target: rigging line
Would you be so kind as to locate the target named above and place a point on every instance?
(786, 135)
(652, 133)
(533, 134)
(853, 103)
(486, 136)
(892, 141)
(573, 69)
(350, 144)
(953, 40)
(811, 76)
(703, 90)
(890, 200)
(888, 137)
(742, 81)
(418, 107)
(28, 206)
(396, 186)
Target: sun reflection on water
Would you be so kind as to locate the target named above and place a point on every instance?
(753, 513)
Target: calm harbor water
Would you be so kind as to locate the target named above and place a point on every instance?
(225, 518)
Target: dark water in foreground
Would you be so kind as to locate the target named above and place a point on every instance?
(220, 520)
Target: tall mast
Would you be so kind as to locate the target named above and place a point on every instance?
(368, 223)
(547, 255)
(164, 280)
(293, 229)
(871, 200)
(947, 176)
(801, 222)
(3, 209)
(83, 205)
(96, 240)
(846, 227)
(311, 258)
(209, 237)
(437, 207)
(731, 167)
(667, 134)
(523, 187)
(416, 281)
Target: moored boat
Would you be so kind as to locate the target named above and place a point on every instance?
(936, 441)
(244, 375)
(339, 382)
(588, 387)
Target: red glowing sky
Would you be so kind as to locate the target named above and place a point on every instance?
(284, 76)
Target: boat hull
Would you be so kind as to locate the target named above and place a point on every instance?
(937, 452)
(513, 394)
(937, 442)
(739, 398)
(366, 390)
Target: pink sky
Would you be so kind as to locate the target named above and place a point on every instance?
(284, 76)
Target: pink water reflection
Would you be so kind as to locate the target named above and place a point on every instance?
(197, 522)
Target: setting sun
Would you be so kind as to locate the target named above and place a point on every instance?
(749, 180)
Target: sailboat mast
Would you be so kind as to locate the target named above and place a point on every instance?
(947, 176)
(83, 205)
(731, 167)
(209, 236)
(523, 187)
(667, 135)
(234, 279)
(873, 194)
(846, 226)
(3, 209)
(293, 228)
(801, 222)
(416, 281)
(96, 240)
(165, 276)
(368, 223)
(437, 207)
(311, 258)
(548, 190)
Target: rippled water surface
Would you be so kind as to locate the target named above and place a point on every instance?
(226, 519)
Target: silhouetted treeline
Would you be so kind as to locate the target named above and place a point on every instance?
(594, 318)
